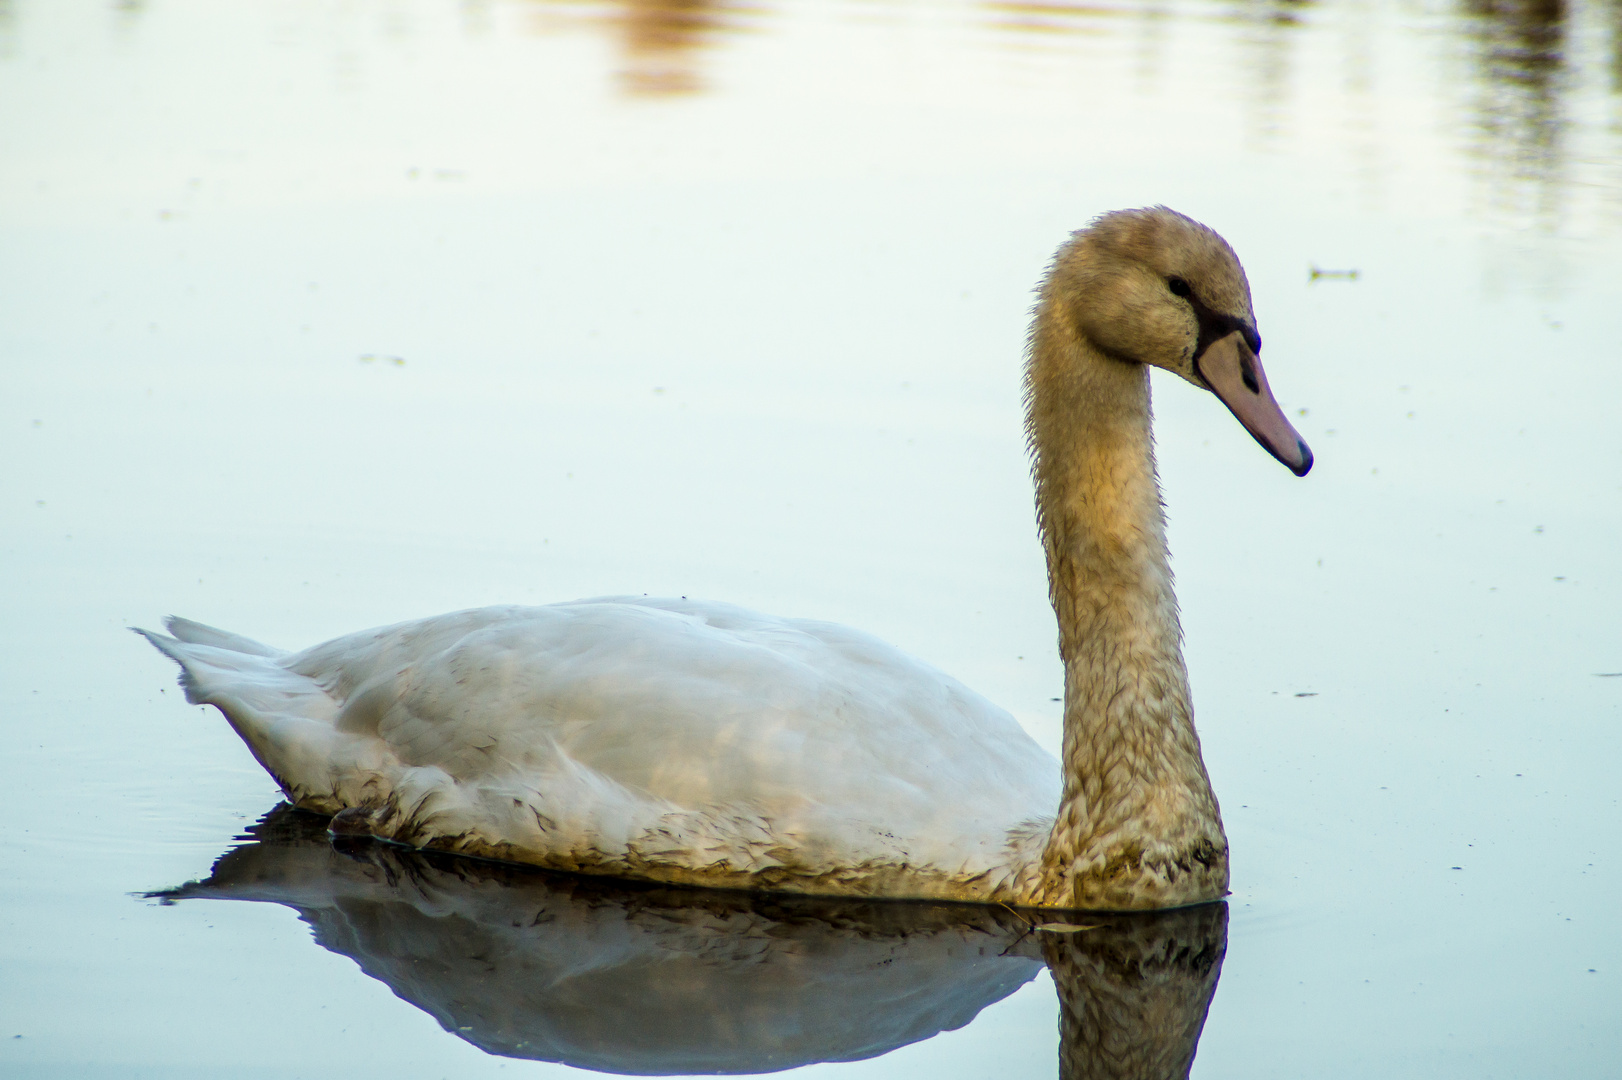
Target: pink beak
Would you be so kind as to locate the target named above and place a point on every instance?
(1234, 373)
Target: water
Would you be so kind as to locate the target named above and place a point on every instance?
(317, 315)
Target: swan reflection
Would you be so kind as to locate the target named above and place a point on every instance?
(628, 978)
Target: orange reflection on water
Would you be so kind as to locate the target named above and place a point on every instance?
(661, 42)
(1053, 16)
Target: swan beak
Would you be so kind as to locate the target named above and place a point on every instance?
(1231, 368)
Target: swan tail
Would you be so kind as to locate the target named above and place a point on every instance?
(196, 633)
(288, 721)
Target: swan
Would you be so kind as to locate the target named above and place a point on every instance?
(699, 743)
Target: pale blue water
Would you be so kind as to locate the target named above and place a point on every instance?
(728, 300)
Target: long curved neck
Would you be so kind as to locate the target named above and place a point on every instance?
(1138, 825)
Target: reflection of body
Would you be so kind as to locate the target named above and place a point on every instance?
(643, 979)
(699, 743)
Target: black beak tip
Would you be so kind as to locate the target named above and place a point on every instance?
(1306, 459)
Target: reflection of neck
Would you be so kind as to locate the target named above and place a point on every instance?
(1133, 993)
(1138, 825)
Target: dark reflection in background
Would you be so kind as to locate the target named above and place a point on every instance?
(8, 28)
(648, 980)
(1269, 30)
(1613, 11)
(1518, 50)
(1520, 66)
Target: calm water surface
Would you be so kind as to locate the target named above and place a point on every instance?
(320, 314)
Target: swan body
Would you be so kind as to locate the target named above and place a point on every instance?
(677, 740)
(700, 743)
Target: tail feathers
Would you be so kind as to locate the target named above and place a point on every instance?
(287, 720)
(220, 675)
(196, 691)
(196, 633)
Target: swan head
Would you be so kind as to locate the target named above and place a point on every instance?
(1154, 287)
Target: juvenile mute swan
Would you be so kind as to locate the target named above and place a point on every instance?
(699, 743)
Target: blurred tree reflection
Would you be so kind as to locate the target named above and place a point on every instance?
(1543, 150)
(662, 41)
(1613, 21)
(1517, 109)
(126, 14)
(1539, 152)
(1270, 31)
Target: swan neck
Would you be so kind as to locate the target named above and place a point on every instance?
(1138, 825)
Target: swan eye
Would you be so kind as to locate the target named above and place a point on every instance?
(1178, 287)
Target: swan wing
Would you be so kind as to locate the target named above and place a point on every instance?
(668, 738)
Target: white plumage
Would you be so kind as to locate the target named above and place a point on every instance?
(673, 739)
